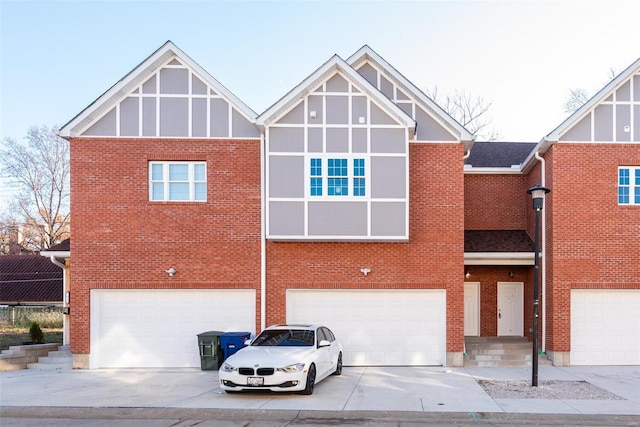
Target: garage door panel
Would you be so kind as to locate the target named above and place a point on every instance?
(386, 327)
(605, 327)
(158, 328)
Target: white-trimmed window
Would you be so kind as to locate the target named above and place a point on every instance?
(178, 181)
(629, 185)
(335, 176)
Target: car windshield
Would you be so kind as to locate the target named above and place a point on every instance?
(285, 338)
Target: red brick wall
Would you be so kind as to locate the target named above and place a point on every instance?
(121, 240)
(593, 242)
(432, 259)
(494, 202)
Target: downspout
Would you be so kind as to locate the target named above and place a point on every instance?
(263, 242)
(543, 262)
(65, 325)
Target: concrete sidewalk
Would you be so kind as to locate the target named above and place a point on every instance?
(406, 389)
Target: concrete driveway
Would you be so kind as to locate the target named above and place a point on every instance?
(412, 389)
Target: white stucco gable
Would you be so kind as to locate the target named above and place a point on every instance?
(166, 95)
(611, 115)
(433, 123)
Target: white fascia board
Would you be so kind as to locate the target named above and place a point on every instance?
(338, 239)
(124, 86)
(366, 53)
(335, 63)
(57, 254)
(514, 170)
(499, 258)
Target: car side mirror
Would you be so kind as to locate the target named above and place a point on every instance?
(324, 343)
(247, 342)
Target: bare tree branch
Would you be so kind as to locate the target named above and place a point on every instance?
(468, 110)
(39, 169)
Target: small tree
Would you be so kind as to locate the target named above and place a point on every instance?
(39, 169)
(36, 334)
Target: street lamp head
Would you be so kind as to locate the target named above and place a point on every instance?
(537, 194)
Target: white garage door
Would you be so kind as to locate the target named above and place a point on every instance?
(135, 328)
(378, 327)
(605, 327)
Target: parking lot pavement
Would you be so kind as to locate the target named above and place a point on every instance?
(408, 389)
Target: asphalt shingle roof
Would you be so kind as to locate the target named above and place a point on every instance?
(65, 245)
(28, 279)
(497, 154)
(497, 241)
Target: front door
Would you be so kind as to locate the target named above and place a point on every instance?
(471, 309)
(510, 309)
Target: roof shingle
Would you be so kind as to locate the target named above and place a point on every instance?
(29, 279)
(497, 241)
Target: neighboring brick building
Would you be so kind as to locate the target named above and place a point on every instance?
(353, 201)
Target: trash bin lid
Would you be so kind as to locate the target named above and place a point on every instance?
(210, 334)
(236, 334)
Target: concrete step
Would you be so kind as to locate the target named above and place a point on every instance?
(50, 366)
(60, 359)
(60, 353)
(500, 351)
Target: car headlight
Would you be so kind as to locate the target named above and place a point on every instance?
(228, 368)
(297, 367)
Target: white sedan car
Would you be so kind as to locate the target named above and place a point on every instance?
(283, 358)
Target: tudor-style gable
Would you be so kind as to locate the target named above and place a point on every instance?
(336, 160)
(167, 95)
(432, 122)
(612, 115)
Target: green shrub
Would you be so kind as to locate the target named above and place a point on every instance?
(36, 334)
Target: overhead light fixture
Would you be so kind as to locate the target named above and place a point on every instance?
(467, 274)
(511, 274)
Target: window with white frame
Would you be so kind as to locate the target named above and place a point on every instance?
(337, 177)
(178, 181)
(629, 185)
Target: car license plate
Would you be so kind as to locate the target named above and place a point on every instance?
(255, 381)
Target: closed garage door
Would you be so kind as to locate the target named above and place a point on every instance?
(158, 328)
(386, 327)
(605, 327)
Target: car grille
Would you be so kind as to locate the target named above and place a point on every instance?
(259, 371)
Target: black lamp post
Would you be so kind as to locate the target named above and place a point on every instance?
(537, 194)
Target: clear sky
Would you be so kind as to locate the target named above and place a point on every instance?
(56, 57)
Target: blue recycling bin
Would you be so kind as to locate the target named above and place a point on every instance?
(231, 342)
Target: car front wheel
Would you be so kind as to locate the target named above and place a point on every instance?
(311, 380)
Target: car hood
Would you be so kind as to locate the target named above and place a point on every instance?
(268, 356)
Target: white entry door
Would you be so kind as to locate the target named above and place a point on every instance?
(510, 309)
(471, 309)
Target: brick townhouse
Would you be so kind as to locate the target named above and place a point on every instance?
(353, 201)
